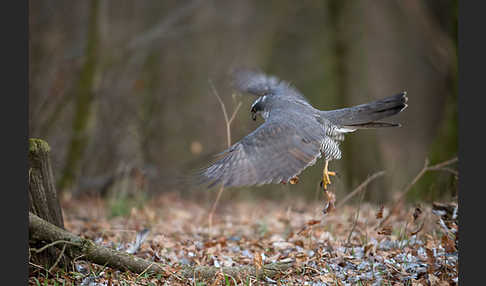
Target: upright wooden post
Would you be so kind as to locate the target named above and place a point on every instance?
(43, 200)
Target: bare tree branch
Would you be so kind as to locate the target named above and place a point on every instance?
(361, 187)
(228, 122)
(426, 168)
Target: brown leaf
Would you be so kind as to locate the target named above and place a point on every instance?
(218, 279)
(299, 243)
(386, 230)
(430, 260)
(210, 243)
(329, 202)
(303, 231)
(379, 215)
(448, 244)
(214, 242)
(257, 260)
(313, 222)
(291, 233)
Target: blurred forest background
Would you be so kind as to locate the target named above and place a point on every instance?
(121, 89)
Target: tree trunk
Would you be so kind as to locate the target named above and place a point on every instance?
(43, 200)
(84, 99)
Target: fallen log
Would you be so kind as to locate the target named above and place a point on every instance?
(85, 249)
(208, 272)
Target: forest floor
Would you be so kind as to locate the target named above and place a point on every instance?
(416, 246)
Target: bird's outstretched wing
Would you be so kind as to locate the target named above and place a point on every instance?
(275, 152)
(258, 83)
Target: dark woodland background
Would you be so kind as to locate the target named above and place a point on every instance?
(121, 89)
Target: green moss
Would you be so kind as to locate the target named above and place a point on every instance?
(36, 145)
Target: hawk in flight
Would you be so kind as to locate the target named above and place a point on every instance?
(294, 134)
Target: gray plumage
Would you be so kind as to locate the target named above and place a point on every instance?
(294, 134)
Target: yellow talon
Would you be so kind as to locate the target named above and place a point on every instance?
(325, 176)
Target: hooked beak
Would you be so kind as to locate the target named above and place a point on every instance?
(253, 113)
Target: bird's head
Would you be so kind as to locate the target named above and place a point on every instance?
(259, 107)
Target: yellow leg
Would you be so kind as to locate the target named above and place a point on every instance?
(325, 175)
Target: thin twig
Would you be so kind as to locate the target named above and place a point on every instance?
(234, 114)
(213, 208)
(228, 122)
(361, 187)
(52, 244)
(443, 164)
(223, 106)
(58, 258)
(437, 167)
(38, 266)
(148, 267)
(348, 241)
(445, 169)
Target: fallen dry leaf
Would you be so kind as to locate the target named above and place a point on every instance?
(257, 260)
(386, 230)
(379, 215)
(313, 222)
(448, 244)
(219, 278)
(329, 202)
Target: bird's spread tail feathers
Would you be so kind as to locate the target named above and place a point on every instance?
(366, 115)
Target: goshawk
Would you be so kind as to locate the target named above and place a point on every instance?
(294, 134)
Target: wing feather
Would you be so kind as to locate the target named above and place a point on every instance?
(276, 151)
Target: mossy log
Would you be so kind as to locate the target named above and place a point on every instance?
(238, 272)
(86, 249)
(43, 200)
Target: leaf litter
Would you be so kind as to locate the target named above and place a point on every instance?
(417, 246)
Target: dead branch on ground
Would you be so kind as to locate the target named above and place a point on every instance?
(208, 272)
(78, 247)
